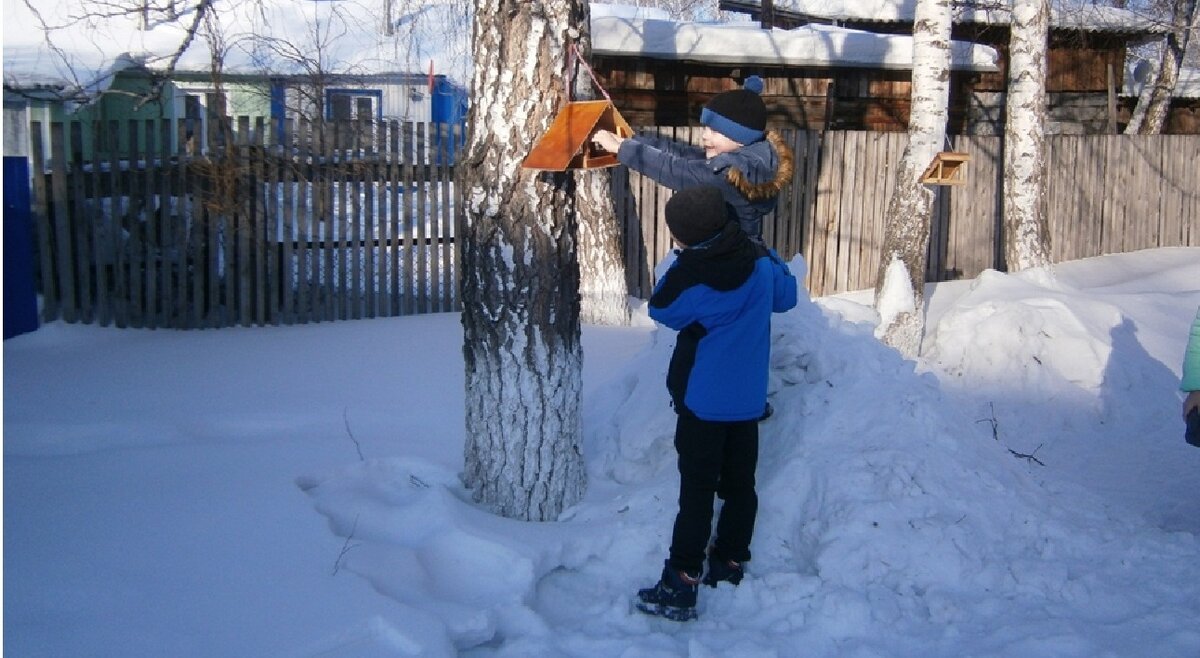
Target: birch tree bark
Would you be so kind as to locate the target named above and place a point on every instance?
(521, 349)
(1154, 102)
(900, 282)
(1026, 234)
(603, 291)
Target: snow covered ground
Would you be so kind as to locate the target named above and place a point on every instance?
(293, 491)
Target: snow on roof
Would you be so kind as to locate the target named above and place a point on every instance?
(599, 9)
(1074, 14)
(741, 43)
(1187, 86)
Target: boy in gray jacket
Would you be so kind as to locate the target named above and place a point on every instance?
(747, 163)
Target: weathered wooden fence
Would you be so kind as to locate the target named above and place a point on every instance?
(305, 224)
(320, 223)
(1106, 194)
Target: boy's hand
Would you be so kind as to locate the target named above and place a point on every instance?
(1192, 401)
(607, 140)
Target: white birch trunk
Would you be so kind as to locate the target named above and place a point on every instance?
(522, 352)
(909, 213)
(603, 291)
(1158, 105)
(1137, 117)
(1026, 235)
(604, 295)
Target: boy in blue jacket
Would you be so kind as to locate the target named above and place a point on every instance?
(719, 295)
(747, 163)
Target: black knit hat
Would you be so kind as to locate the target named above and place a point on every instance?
(696, 214)
(739, 114)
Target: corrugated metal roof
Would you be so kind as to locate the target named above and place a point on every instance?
(747, 43)
(1188, 85)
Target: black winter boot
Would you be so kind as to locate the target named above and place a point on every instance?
(674, 597)
(720, 570)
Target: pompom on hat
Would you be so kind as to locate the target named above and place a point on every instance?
(739, 114)
(696, 214)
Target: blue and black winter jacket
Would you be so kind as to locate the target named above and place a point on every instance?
(749, 178)
(719, 296)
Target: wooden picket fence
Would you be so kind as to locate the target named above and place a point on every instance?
(314, 223)
(329, 222)
(1105, 194)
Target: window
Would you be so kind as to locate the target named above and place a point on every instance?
(218, 128)
(359, 107)
(353, 104)
(204, 120)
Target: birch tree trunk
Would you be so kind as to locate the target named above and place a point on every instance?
(1154, 103)
(522, 352)
(604, 293)
(1137, 118)
(900, 282)
(1026, 235)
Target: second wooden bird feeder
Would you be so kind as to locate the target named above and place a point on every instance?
(947, 168)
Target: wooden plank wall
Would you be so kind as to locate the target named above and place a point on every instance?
(966, 227)
(1123, 193)
(1105, 194)
(362, 219)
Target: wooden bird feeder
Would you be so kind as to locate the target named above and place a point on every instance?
(946, 169)
(567, 144)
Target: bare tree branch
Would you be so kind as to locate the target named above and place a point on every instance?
(1030, 456)
(350, 433)
(346, 547)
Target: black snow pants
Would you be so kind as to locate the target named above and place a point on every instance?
(715, 459)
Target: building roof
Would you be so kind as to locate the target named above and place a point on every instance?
(1064, 14)
(746, 43)
(1188, 85)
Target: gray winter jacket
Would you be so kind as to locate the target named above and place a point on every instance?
(749, 178)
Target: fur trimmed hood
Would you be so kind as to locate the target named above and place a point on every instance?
(769, 188)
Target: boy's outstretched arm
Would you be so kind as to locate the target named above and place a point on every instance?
(672, 147)
(611, 142)
(664, 168)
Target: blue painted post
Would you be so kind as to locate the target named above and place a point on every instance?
(20, 291)
(448, 107)
(279, 109)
